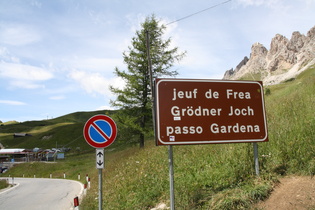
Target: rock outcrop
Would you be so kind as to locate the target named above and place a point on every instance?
(285, 58)
(230, 72)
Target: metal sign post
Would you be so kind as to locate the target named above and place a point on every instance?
(256, 158)
(171, 171)
(100, 193)
(100, 159)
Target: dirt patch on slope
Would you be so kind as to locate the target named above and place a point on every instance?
(293, 193)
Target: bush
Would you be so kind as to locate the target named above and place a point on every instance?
(3, 184)
(267, 91)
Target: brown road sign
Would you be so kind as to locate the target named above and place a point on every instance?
(201, 111)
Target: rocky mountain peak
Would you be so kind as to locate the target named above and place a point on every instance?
(286, 57)
(278, 44)
(258, 50)
(311, 33)
(297, 41)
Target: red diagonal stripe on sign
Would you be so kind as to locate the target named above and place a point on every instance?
(100, 131)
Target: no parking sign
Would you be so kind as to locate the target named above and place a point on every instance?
(100, 131)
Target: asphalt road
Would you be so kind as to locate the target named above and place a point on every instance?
(33, 194)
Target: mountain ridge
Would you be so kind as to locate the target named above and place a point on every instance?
(285, 59)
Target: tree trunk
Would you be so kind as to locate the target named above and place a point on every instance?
(142, 125)
(143, 110)
(141, 140)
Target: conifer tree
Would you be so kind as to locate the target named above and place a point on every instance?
(134, 99)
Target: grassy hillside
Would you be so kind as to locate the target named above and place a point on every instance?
(206, 176)
(64, 131)
(290, 111)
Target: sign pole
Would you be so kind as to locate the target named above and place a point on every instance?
(256, 158)
(100, 189)
(151, 77)
(100, 163)
(171, 172)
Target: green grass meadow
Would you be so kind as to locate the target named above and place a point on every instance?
(220, 176)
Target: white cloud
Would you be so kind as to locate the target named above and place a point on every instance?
(6, 55)
(14, 34)
(135, 20)
(23, 72)
(95, 83)
(36, 4)
(24, 76)
(24, 84)
(104, 108)
(10, 102)
(59, 97)
(269, 3)
(96, 64)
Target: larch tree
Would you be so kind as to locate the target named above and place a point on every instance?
(134, 99)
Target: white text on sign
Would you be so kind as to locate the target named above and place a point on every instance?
(199, 111)
(192, 94)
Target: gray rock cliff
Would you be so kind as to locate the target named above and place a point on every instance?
(285, 58)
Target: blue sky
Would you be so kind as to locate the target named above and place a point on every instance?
(58, 56)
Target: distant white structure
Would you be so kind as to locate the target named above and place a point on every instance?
(12, 151)
(26, 155)
(14, 155)
(16, 135)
